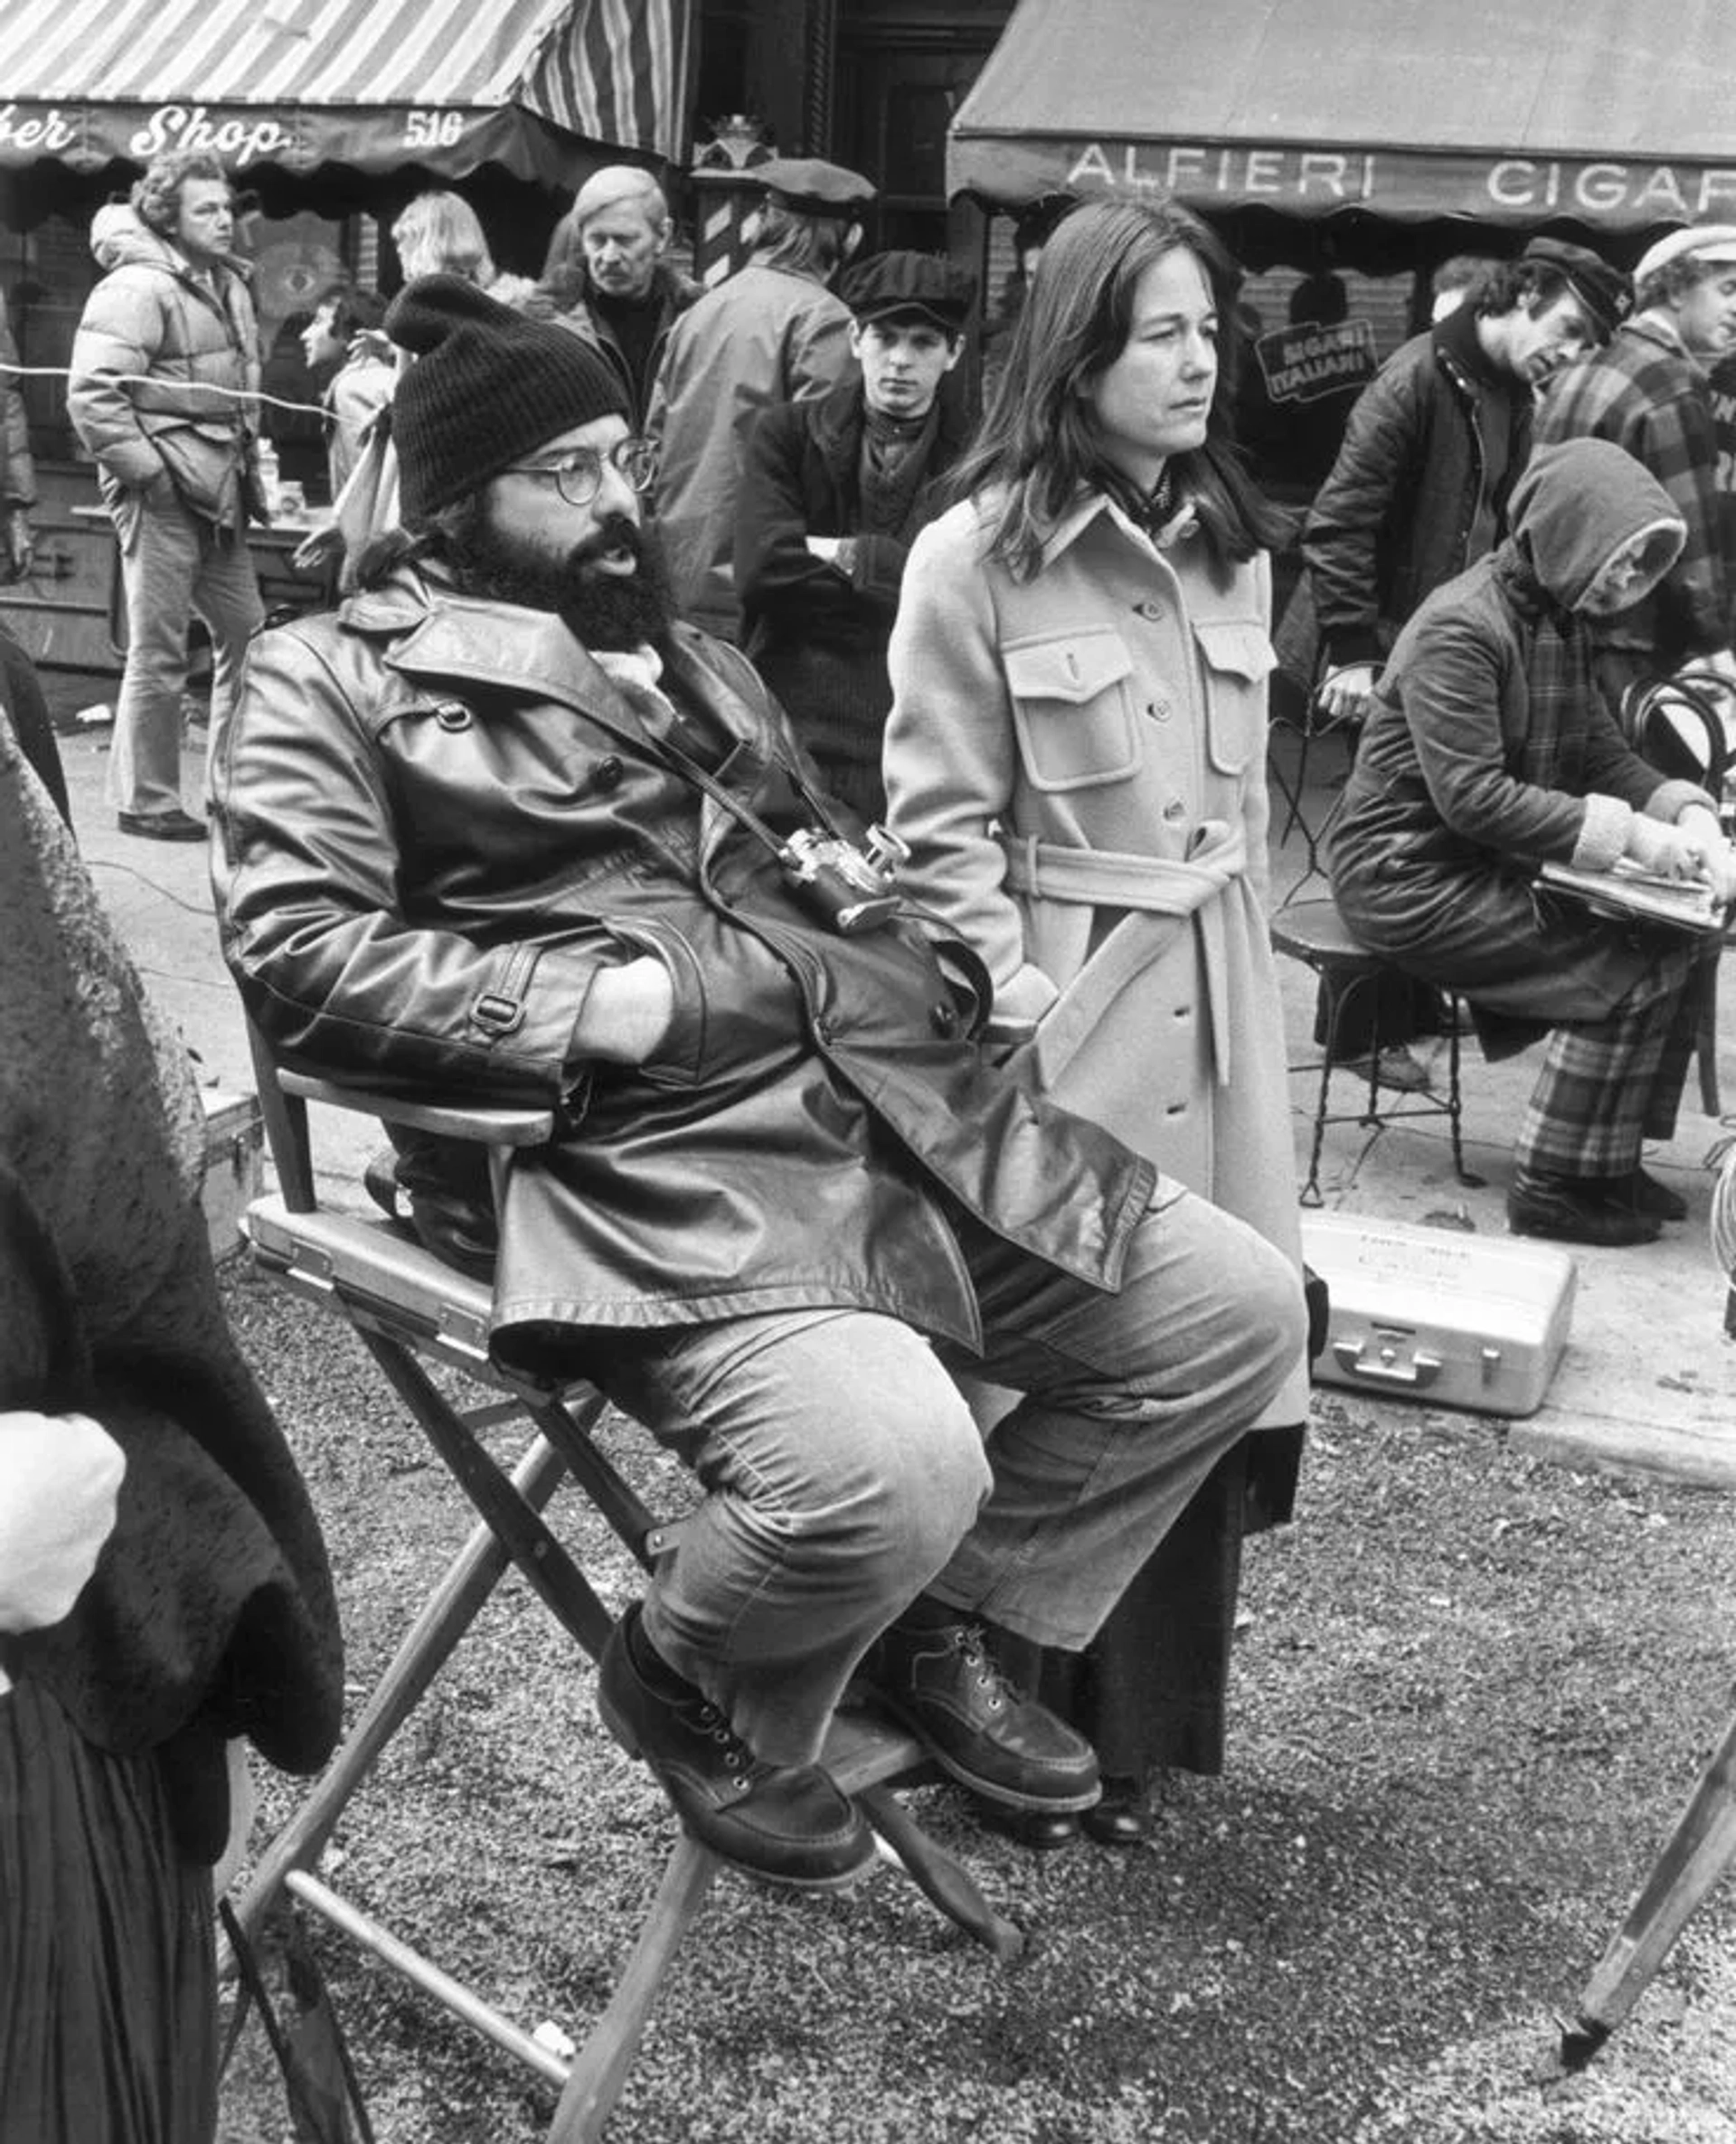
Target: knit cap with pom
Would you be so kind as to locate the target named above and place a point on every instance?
(488, 388)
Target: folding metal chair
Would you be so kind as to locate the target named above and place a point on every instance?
(412, 1311)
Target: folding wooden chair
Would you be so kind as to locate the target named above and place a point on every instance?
(412, 1311)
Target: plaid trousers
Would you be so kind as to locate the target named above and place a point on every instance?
(1608, 1085)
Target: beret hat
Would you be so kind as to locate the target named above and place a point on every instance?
(814, 187)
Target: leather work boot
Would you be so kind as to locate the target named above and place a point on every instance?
(932, 1670)
(1646, 1194)
(1577, 1210)
(785, 1823)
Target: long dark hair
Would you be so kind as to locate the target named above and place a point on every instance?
(1038, 444)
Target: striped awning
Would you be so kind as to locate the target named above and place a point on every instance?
(1610, 113)
(373, 84)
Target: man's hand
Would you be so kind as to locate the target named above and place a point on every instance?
(1707, 851)
(628, 1013)
(319, 549)
(21, 542)
(60, 1480)
(1344, 692)
(824, 547)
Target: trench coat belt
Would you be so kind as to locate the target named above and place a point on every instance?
(1150, 887)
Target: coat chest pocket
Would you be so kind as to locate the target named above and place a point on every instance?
(1071, 709)
(1239, 659)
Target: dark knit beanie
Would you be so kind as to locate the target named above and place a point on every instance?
(488, 388)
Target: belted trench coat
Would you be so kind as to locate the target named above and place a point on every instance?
(1077, 763)
(438, 819)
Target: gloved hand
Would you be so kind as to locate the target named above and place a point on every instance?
(21, 542)
(60, 1479)
(1344, 692)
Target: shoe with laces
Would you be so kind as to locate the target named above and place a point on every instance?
(939, 1678)
(785, 1823)
(1400, 1069)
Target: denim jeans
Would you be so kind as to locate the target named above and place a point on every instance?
(843, 1473)
(176, 564)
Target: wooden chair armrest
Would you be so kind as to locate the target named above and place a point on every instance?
(484, 1126)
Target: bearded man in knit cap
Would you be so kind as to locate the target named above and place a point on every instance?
(500, 831)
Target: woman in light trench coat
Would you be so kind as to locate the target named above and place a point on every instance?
(1076, 759)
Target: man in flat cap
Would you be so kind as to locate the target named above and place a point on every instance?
(1418, 493)
(498, 830)
(833, 495)
(772, 332)
(1650, 393)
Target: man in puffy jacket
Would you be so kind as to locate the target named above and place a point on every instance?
(164, 379)
(498, 829)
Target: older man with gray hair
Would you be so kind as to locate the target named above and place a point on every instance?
(605, 277)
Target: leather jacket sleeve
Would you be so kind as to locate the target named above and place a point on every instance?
(337, 975)
(1354, 511)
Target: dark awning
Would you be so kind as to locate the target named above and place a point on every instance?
(1611, 113)
(376, 85)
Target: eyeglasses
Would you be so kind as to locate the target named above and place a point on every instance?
(578, 474)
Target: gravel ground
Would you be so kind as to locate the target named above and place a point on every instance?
(1471, 1695)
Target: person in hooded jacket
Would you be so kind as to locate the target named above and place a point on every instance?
(164, 394)
(1489, 751)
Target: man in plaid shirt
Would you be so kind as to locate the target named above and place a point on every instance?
(1648, 392)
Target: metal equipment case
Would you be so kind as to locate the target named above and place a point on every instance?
(1432, 1314)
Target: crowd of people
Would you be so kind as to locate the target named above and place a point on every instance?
(843, 805)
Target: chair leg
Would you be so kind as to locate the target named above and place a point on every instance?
(545, 1565)
(448, 1612)
(600, 2068)
(1700, 1850)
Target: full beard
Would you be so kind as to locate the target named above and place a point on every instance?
(599, 608)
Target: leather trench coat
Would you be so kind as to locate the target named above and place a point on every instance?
(438, 819)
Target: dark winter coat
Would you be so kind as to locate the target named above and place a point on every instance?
(818, 636)
(1447, 812)
(439, 819)
(1396, 517)
(210, 1613)
(676, 292)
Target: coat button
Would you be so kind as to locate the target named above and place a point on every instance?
(452, 714)
(607, 773)
(1159, 710)
(1148, 609)
(1175, 809)
(944, 1018)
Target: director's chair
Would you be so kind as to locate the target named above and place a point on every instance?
(412, 1311)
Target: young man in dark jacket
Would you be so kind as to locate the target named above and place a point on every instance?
(834, 493)
(498, 829)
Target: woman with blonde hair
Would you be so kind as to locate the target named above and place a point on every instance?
(1076, 759)
(439, 233)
